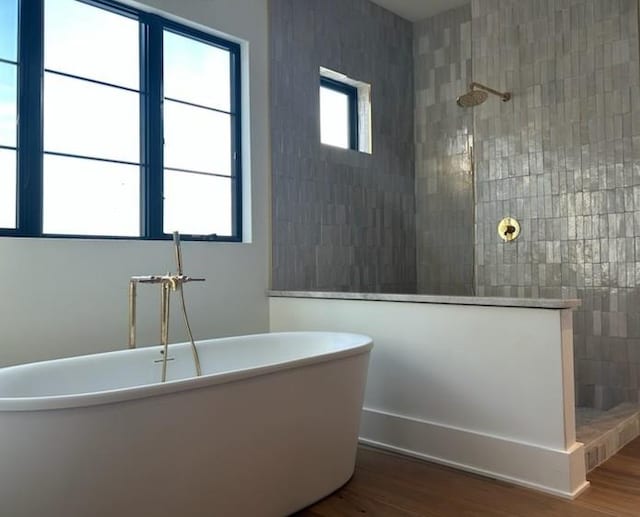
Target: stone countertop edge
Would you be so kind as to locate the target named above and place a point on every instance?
(485, 301)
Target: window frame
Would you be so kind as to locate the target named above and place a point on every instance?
(352, 96)
(30, 109)
(4, 147)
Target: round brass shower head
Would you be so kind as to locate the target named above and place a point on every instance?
(472, 98)
(478, 93)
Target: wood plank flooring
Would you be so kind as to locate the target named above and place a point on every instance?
(388, 485)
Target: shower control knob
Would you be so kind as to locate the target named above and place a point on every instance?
(508, 229)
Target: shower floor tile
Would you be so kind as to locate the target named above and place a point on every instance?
(604, 433)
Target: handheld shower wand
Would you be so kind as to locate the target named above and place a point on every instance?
(194, 349)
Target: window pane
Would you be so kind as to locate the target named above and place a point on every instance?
(8, 104)
(9, 29)
(91, 42)
(196, 72)
(87, 197)
(7, 188)
(334, 118)
(197, 204)
(196, 139)
(91, 119)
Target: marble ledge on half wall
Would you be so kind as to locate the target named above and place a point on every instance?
(532, 303)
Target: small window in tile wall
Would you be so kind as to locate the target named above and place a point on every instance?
(345, 112)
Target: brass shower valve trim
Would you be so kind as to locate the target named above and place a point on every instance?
(508, 229)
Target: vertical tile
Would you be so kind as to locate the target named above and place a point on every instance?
(444, 183)
(573, 73)
(341, 220)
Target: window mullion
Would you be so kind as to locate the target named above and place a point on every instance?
(30, 116)
(151, 126)
(353, 119)
(236, 95)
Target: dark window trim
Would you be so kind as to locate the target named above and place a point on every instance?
(352, 94)
(30, 152)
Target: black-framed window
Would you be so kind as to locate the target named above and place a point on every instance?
(129, 124)
(338, 114)
(8, 111)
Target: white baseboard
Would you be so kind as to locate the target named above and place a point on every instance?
(557, 472)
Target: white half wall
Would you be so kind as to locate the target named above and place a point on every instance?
(63, 297)
(485, 389)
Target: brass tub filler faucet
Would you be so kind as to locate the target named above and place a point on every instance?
(168, 283)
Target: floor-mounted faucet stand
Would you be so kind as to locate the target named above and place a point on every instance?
(168, 283)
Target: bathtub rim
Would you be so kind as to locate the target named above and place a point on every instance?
(130, 393)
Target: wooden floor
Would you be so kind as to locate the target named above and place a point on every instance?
(388, 485)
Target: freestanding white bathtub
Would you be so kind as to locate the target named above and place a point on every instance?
(270, 427)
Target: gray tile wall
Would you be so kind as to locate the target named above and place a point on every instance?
(342, 220)
(564, 158)
(444, 188)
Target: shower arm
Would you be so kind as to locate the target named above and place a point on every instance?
(505, 96)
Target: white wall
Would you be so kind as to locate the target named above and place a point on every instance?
(487, 389)
(69, 297)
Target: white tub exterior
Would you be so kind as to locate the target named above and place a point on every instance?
(270, 427)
